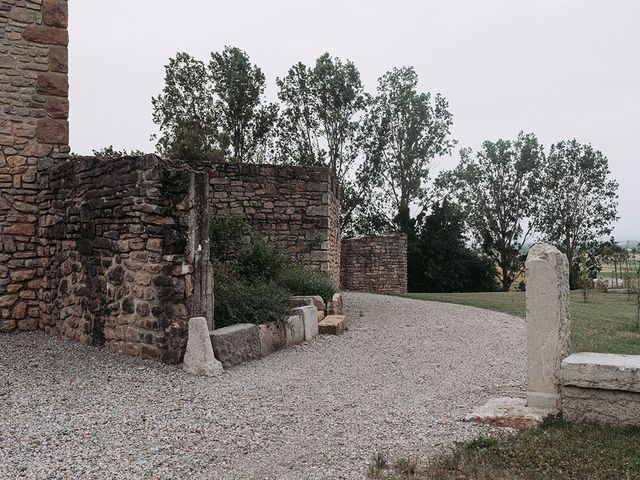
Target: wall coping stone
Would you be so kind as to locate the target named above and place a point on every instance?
(604, 371)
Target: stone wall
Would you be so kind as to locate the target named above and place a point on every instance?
(375, 264)
(120, 238)
(33, 125)
(297, 207)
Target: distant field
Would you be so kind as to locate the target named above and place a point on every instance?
(604, 324)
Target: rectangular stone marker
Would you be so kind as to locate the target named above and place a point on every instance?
(548, 324)
(309, 316)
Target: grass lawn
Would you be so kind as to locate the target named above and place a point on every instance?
(557, 450)
(606, 323)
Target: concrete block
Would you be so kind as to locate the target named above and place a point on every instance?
(236, 344)
(273, 337)
(294, 330)
(199, 358)
(309, 316)
(333, 325)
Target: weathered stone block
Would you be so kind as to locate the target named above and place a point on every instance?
(273, 337)
(236, 344)
(199, 358)
(52, 131)
(309, 315)
(302, 300)
(336, 305)
(55, 13)
(46, 35)
(55, 84)
(333, 325)
(607, 407)
(294, 330)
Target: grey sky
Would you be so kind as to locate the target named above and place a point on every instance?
(560, 69)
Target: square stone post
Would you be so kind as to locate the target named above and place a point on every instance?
(548, 324)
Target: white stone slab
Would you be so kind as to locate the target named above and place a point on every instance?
(309, 316)
(604, 371)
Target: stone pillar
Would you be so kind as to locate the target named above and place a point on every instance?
(199, 248)
(548, 324)
(33, 126)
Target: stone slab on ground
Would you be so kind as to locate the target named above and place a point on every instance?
(236, 344)
(509, 412)
(333, 325)
(294, 330)
(619, 291)
(309, 316)
(606, 407)
(199, 358)
(272, 338)
(605, 371)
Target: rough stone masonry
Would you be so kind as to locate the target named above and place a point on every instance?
(33, 125)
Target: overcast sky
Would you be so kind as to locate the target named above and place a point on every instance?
(558, 68)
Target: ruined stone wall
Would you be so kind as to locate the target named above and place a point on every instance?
(297, 207)
(375, 264)
(121, 270)
(33, 125)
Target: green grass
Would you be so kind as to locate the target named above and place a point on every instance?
(557, 450)
(606, 323)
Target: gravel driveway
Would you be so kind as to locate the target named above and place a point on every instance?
(399, 380)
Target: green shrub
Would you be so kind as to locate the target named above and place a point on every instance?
(228, 234)
(253, 279)
(259, 260)
(299, 280)
(240, 301)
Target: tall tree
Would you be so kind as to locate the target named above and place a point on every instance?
(403, 131)
(184, 112)
(579, 200)
(216, 110)
(240, 111)
(320, 121)
(497, 188)
(439, 259)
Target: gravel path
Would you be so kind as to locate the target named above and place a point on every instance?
(399, 380)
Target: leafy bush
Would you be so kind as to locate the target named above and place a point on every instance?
(259, 260)
(240, 301)
(301, 281)
(228, 233)
(253, 280)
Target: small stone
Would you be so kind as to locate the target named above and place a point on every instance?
(509, 412)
